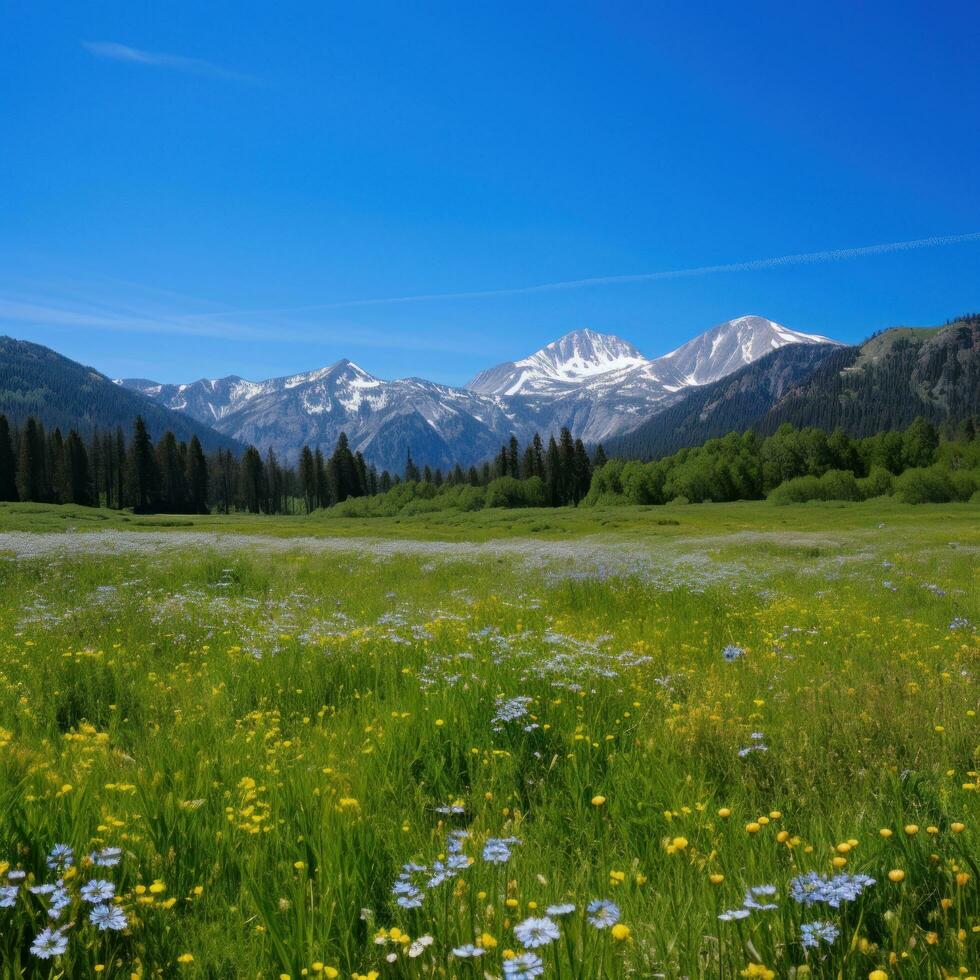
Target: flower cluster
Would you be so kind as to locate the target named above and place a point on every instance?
(63, 899)
(812, 888)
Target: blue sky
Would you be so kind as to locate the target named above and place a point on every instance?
(193, 190)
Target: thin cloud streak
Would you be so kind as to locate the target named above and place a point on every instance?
(753, 265)
(160, 59)
(96, 315)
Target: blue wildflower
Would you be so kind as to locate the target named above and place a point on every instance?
(61, 857)
(811, 888)
(469, 951)
(812, 934)
(535, 932)
(8, 896)
(557, 911)
(108, 917)
(108, 857)
(49, 942)
(97, 891)
(523, 967)
(497, 849)
(731, 653)
(733, 915)
(602, 913)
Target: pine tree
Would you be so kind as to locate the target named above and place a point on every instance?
(79, 484)
(307, 478)
(566, 467)
(252, 488)
(552, 483)
(30, 462)
(58, 490)
(119, 468)
(582, 475)
(173, 482)
(142, 475)
(411, 470)
(599, 457)
(8, 463)
(322, 485)
(197, 478)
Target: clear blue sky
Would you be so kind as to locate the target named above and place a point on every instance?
(188, 190)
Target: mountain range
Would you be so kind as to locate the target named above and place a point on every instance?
(597, 385)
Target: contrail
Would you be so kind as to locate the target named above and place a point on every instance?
(801, 258)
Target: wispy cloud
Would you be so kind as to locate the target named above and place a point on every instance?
(79, 314)
(160, 59)
(752, 265)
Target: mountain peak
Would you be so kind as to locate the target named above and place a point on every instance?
(571, 359)
(729, 346)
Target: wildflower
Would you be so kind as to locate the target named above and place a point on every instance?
(108, 857)
(896, 875)
(758, 970)
(733, 915)
(510, 709)
(185, 958)
(716, 878)
(557, 911)
(497, 849)
(598, 800)
(811, 888)
(48, 943)
(469, 951)
(731, 653)
(418, 947)
(877, 975)
(8, 896)
(108, 917)
(61, 856)
(602, 913)
(523, 967)
(97, 891)
(536, 932)
(620, 932)
(756, 892)
(812, 934)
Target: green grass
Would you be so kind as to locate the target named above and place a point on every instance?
(267, 729)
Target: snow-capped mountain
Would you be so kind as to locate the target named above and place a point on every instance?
(729, 346)
(595, 384)
(568, 361)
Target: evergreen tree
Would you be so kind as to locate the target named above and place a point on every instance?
(599, 457)
(552, 483)
(411, 470)
(172, 480)
(30, 462)
(197, 478)
(252, 489)
(307, 478)
(58, 491)
(142, 475)
(119, 468)
(322, 485)
(79, 483)
(8, 463)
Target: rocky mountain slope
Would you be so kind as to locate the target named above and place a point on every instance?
(596, 384)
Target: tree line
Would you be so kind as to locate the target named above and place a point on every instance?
(108, 469)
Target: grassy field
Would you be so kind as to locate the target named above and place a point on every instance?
(666, 741)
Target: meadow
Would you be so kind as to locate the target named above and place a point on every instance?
(729, 740)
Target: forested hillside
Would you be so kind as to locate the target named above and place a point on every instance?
(886, 383)
(61, 393)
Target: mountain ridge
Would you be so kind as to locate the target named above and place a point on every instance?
(598, 385)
